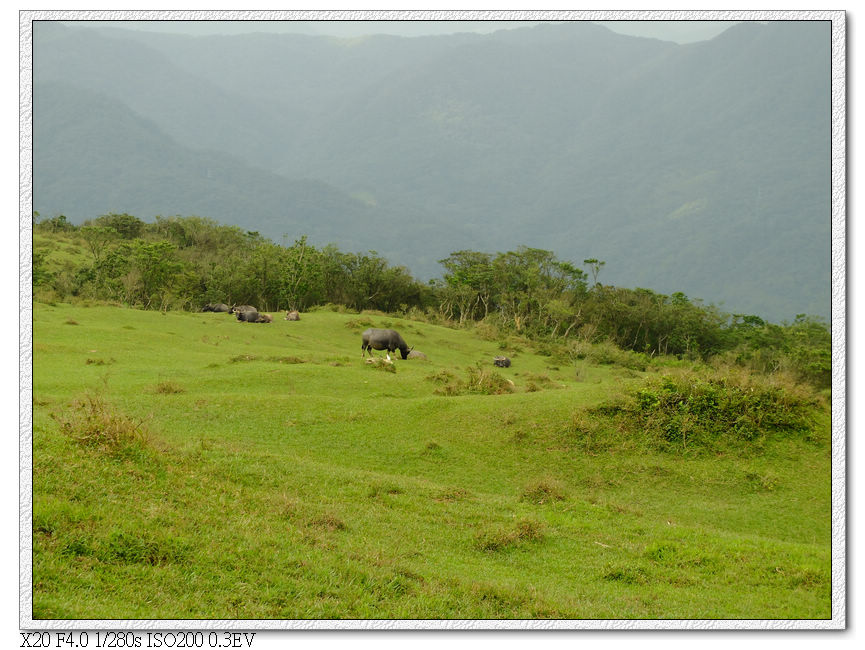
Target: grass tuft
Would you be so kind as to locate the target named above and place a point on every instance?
(168, 388)
(358, 323)
(379, 363)
(503, 538)
(544, 491)
(379, 489)
(91, 422)
(328, 522)
(478, 381)
(289, 359)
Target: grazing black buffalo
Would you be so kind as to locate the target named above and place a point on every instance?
(216, 306)
(380, 339)
(502, 362)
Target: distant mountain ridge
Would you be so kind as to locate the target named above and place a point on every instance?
(702, 168)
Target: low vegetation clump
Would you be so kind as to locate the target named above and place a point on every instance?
(478, 381)
(694, 412)
(506, 537)
(539, 381)
(92, 422)
(543, 492)
(380, 363)
(287, 359)
(605, 353)
(168, 388)
(358, 323)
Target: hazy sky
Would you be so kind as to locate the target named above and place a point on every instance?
(677, 31)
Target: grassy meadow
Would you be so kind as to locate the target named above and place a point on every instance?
(186, 465)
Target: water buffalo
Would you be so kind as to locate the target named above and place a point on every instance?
(241, 308)
(216, 306)
(292, 315)
(380, 339)
(502, 362)
(253, 317)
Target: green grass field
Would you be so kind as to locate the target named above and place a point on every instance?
(190, 466)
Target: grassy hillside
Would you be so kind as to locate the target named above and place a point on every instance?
(190, 466)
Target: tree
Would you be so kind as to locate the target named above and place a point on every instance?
(595, 267)
(469, 284)
(301, 275)
(125, 225)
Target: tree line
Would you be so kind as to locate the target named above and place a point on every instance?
(186, 262)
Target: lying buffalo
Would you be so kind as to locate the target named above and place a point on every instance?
(253, 317)
(380, 339)
(292, 315)
(216, 306)
(237, 309)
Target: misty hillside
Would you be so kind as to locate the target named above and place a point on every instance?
(702, 168)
